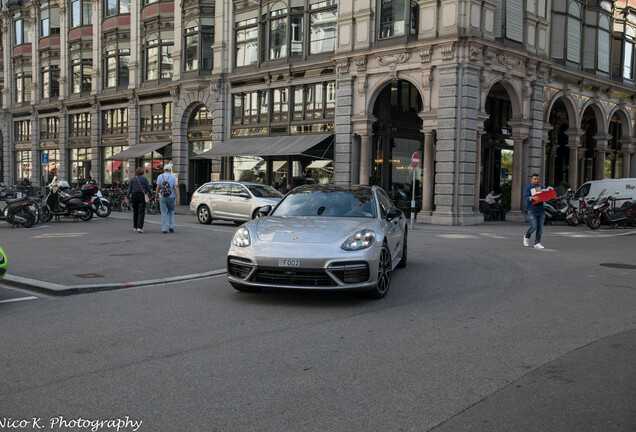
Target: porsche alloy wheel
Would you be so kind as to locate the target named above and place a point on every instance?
(384, 274)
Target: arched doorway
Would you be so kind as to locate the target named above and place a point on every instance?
(397, 134)
(589, 168)
(557, 165)
(199, 141)
(497, 146)
(614, 158)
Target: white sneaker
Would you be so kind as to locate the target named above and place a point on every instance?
(539, 246)
(526, 241)
(139, 230)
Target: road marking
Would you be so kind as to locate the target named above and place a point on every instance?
(60, 235)
(19, 299)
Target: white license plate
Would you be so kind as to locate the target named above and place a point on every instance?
(32, 208)
(288, 263)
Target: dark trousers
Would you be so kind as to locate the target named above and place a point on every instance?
(139, 209)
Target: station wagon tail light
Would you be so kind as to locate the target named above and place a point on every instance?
(360, 240)
(241, 237)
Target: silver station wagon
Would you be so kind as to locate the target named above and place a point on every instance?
(231, 200)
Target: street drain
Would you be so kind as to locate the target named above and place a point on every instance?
(89, 275)
(619, 266)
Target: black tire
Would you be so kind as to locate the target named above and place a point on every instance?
(402, 262)
(203, 215)
(88, 216)
(384, 274)
(593, 221)
(102, 209)
(574, 220)
(30, 218)
(45, 214)
(244, 288)
(153, 207)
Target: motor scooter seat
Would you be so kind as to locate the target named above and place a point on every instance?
(14, 200)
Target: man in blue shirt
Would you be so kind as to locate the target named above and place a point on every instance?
(167, 203)
(536, 212)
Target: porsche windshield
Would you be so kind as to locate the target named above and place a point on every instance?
(329, 203)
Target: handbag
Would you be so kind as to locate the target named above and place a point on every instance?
(142, 189)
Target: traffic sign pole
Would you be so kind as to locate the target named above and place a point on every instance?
(415, 161)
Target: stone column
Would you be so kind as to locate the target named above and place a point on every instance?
(481, 118)
(627, 146)
(64, 58)
(601, 154)
(428, 167)
(96, 129)
(62, 172)
(574, 143)
(344, 130)
(363, 127)
(134, 67)
(36, 165)
(520, 133)
(545, 139)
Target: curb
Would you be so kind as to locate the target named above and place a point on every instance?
(64, 290)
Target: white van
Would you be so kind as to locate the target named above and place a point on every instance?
(622, 189)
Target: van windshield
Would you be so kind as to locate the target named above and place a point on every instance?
(583, 191)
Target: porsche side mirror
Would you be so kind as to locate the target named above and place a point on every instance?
(393, 213)
(264, 211)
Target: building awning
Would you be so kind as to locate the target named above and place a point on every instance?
(319, 164)
(138, 150)
(270, 146)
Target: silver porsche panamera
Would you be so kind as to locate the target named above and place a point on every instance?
(322, 237)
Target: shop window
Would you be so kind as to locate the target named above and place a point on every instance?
(115, 121)
(280, 105)
(247, 107)
(79, 165)
(314, 101)
(22, 130)
(49, 128)
(22, 165)
(156, 117)
(79, 125)
(114, 171)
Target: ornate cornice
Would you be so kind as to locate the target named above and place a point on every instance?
(448, 51)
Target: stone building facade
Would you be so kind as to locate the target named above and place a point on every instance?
(293, 91)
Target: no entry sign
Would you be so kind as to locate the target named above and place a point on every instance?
(415, 159)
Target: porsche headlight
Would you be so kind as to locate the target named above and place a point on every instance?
(360, 240)
(241, 237)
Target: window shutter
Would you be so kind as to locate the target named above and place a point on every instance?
(514, 20)
(574, 40)
(589, 52)
(498, 21)
(558, 45)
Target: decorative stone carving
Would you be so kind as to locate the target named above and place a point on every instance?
(174, 92)
(489, 55)
(392, 60)
(343, 67)
(448, 51)
(268, 80)
(361, 64)
(216, 88)
(362, 85)
(475, 53)
(426, 54)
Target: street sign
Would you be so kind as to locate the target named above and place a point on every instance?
(415, 159)
(45, 158)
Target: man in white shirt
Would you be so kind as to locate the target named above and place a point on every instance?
(491, 198)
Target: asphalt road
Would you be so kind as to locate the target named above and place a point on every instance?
(477, 333)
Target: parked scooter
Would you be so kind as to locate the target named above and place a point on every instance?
(19, 211)
(90, 192)
(558, 209)
(59, 203)
(606, 212)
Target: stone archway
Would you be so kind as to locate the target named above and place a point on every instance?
(396, 135)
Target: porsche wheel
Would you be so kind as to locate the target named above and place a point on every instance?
(384, 274)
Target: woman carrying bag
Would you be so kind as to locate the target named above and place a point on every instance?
(139, 189)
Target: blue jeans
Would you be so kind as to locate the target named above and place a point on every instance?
(167, 207)
(536, 223)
